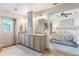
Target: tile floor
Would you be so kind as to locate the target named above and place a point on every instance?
(19, 50)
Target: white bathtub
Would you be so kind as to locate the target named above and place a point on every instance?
(64, 48)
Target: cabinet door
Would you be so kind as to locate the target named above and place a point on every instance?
(22, 40)
(26, 40)
(43, 43)
(31, 41)
(37, 43)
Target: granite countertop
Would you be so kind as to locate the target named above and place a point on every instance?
(36, 34)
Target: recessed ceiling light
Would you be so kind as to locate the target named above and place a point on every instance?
(76, 12)
(15, 9)
(54, 3)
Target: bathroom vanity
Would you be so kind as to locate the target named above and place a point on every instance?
(34, 41)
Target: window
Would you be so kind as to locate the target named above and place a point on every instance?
(7, 25)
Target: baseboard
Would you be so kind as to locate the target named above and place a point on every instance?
(8, 46)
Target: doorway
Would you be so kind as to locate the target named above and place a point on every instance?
(7, 31)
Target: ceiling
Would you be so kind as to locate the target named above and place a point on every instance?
(23, 8)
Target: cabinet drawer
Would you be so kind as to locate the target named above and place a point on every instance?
(26, 41)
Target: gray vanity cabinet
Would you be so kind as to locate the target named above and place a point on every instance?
(40, 42)
(34, 41)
